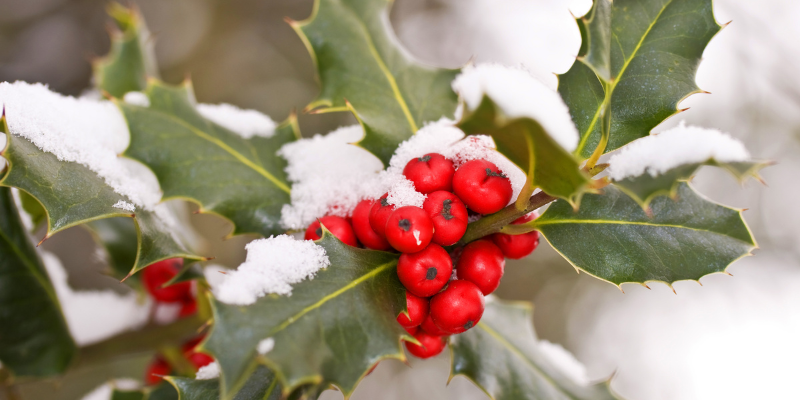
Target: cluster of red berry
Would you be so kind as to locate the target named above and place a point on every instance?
(154, 277)
(439, 302)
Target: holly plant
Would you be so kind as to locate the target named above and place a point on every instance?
(451, 172)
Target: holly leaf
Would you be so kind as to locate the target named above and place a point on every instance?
(194, 159)
(32, 207)
(330, 330)
(363, 68)
(131, 59)
(72, 194)
(612, 238)
(526, 143)
(638, 60)
(34, 338)
(645, 187)
(502, 357)
(118, 394)
(117, 236)
(262, 385)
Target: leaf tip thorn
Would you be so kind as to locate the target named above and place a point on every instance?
(728, 273)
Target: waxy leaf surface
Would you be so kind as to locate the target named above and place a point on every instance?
(262, 385)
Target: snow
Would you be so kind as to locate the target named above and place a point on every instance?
(136, 99)
(104, 391)
(271, 266)
(681, 145)
(564, 361)
(124, 205)
(265, 346)
(518, 94)
(245, 123)
(402, 193)
(95, 315)
(209, 371)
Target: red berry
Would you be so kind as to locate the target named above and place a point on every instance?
(409, 229)
(457, 308)
(200, 360)
(366, 235)
(157, 274)
(379, 214)
(430, 327)
(426, 272)
(481, 263)
(430, 345)
(338, 226)
(158, 368)
(449, 216)
(412, 331)
(417, 311)
(482, 186)
(190, 344)
(188, 307)
(518, 246)
(430, 173)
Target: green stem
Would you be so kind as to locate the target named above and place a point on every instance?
(493, 223)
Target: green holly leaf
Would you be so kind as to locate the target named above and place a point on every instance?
(131, 59)
(72, 194)
(330, 330)
(262, 385)
(34, 338)
(612, 238)
(650, 50)
(117, 236)
(118, 394)
(362, 67)
(32, 207)
(194, 159)
(502, 357)
(526, 143)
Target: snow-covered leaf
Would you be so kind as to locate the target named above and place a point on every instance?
(262, 385)
(503, 357)
(652, 49)
(34, 338)
(612, 238)
(198, 160)
(363, 67)
(330, 330)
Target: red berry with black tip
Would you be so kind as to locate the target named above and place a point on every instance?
(449, 216)
(409, 229)
(157, 274)
(417, 308)
(482, 186)
(200, 360)
(158, 368)
(518, 246)
(361, 226)
(338, 226)
(457, 308)
(426, 272)
(430, 173)
(188, 308)
(430, 327)
(379, 215)
(430, 345)
(481, 263)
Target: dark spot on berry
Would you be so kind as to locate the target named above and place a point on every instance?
(424, 158)
(384, 202)
(404, 224)
(319, 232)
(446, 210)
(469, 324)
(431, 274)
(489, 172)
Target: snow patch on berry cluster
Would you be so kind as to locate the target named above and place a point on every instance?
(681, 145)
(208, 371)
(272, 266)
(518, 94)
(245, 123)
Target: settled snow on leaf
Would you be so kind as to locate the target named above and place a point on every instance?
(245, 123)
(137, 99)
(209, 371)
(564, 361)
(265, 346)
(272, 266)
(518, 94)
(95, 315)
(681, 145)
(124, 205)
(105, 391)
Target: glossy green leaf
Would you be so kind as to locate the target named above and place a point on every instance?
(117, 236)
(653, 49)
(194, 159)
(34, 339)
(363, 67)
(502, 357)
(72, 194)
(525, 142)
(612, 238)
(262, 385)
(32, 207)
(330, 330)
(131, 59)
(118, 394)
(645, 187)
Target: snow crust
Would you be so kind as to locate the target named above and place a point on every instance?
(265, 346)
(208, 371)
(124, 205)
(518, 94)
(245, 123)
(272, 266)
(681, 145)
